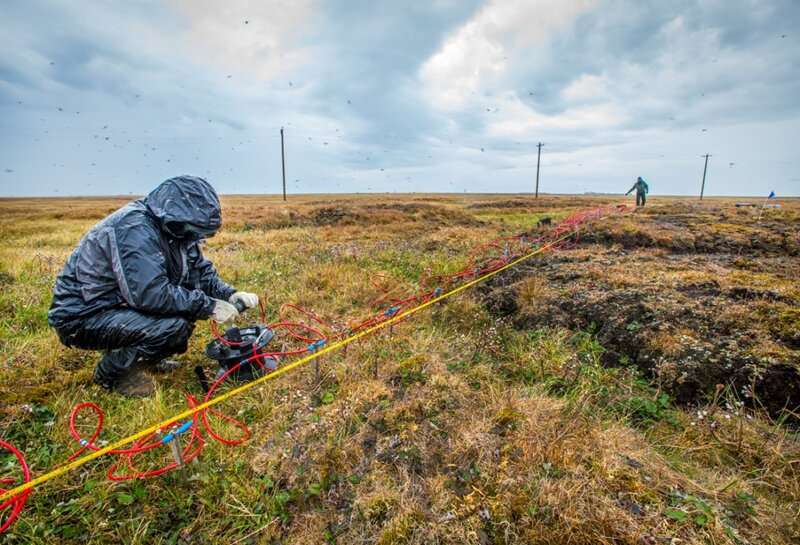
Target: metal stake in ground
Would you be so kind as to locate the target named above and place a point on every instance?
(175, 447)
(705, 169)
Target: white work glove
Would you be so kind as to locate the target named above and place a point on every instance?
(249, 300)
(223, 311)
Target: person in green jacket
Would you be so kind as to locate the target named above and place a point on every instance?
(641, 191)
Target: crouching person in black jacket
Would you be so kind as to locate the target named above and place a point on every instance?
(138, 281)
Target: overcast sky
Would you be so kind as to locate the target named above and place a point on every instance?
(109, 97)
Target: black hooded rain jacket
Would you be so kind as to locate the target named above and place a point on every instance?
(146, 257)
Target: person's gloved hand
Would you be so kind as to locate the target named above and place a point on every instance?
(249, 300)
(223, 311)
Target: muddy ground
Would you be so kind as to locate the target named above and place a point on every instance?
(694, 297)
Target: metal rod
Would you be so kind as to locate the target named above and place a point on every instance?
(202, 378)
(175, 447)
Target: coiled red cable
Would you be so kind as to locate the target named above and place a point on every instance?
(12, 507)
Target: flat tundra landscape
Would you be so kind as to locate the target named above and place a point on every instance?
(640, 385)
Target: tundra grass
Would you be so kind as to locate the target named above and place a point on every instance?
(456, 427)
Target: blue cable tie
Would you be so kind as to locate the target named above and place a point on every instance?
(437, 292)
(84, 442)
(391, 311)
(186, 425)
(316, 344)
(173, 434)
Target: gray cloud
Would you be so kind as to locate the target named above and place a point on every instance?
(439, 95)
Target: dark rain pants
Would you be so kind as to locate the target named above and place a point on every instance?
(126, 336)
(641, 198)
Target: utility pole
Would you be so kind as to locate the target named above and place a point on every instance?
(283, 166)
(538, 160)
(705, 169)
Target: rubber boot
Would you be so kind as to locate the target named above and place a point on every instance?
(136, 383)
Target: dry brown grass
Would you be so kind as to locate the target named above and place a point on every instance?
(456, 428)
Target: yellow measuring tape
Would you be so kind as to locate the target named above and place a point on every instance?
(78, 462)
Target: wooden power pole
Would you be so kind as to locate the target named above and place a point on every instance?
(705, 169)
(538, 160)
(283, 166)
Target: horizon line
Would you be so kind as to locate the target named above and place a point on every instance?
(368, 193)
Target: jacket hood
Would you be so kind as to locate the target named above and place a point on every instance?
(186, 207)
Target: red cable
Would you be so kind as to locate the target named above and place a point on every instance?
(13, 505)
(484, 258)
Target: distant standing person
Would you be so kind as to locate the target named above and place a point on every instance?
(641, 191)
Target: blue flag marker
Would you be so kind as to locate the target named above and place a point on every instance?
(764, 205)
